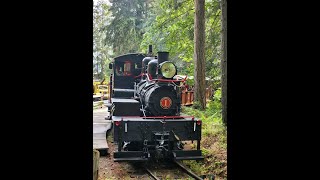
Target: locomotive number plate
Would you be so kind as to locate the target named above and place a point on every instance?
(165, 102)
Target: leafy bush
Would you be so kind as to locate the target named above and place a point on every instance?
(214, 139)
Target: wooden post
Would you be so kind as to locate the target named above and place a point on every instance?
(183, 98)
(191, 97)
(96, 155)
(188, 101)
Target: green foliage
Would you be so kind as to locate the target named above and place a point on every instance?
(217, 94)
(213, 110)
(124, 33)
(215, 106)
(214, 139)
(171, 28)
(196, 105)
(101, 51)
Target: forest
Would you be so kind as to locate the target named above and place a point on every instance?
(194, 32)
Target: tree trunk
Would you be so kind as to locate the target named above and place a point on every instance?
(224, 61)
(199, 53)
(96, 156)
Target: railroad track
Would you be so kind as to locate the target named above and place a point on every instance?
(173, 167)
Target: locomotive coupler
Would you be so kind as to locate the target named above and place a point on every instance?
(161, 146)
(161, 143)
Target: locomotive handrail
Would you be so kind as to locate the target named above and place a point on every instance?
(139, 75)
(149, 77)
(167, 80)
(164, 80)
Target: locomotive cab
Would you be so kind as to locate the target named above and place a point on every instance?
(126, 68)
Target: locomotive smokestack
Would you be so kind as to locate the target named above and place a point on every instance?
(150, 50)
(163, 56)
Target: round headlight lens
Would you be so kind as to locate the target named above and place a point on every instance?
(168, 69)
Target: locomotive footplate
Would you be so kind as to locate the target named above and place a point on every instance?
(145, 138)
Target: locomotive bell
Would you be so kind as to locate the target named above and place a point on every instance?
(152, 68)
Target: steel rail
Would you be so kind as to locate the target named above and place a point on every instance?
(151, 174)
(190, 173)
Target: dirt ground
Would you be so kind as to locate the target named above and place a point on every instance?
(117, 170)
(121, 170)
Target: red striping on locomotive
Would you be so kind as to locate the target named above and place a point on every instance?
(163, 80)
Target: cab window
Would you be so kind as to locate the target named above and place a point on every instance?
(123, 68)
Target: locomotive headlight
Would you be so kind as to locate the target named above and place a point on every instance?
(168, 69)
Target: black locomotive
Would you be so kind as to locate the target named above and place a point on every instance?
(144, 108)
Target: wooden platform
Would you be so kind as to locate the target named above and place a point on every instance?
(100, 127)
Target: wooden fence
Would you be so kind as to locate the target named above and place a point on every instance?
(187, 96)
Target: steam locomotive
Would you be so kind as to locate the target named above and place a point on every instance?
(144, 108)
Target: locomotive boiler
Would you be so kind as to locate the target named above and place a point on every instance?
(159, 97)
(144, 107)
